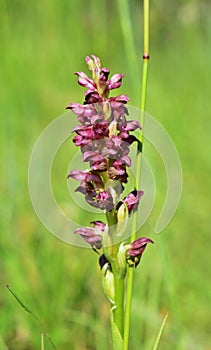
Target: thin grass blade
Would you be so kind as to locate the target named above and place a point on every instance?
(27, 309)
(157, 341)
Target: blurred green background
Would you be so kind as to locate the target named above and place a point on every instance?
(41, 44)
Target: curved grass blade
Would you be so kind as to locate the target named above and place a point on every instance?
(157, 341)
(27, 309)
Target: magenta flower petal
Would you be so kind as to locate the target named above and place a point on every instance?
(125, 160)
(101, 199)
(129, 126)
(136, 249)
(90, 236)
(115, 81)
(92, 97)
(88, 156)
(76, 108)
(85, 81)
(99, 164)
(120, 99)
(132, 200)
(99, 225)
(78, 175)
(104, 75)
(138, 245)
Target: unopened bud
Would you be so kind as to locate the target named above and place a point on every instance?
(122, 218)
(107, 110)
(108, 245)
(108, 282)
(90, 63)
(113, 128)
(121, 261)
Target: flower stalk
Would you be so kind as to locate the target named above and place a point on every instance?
(104, 136)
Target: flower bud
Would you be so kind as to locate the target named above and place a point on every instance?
(107, 279)
(122, 218)
(107, 110)
(121, 261)
(90, 63)
(113, 128)
(108, 245)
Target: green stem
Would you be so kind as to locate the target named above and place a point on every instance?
(138, 171)
(119, 300)
(118, 281)
(129, 293)
(42, 341)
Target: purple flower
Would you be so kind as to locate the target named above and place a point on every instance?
(88, 134)
(90, 182)
(92, 97)
(85, 81)
(99, 86)
(115, 147)
(92, 187)
(93, 236)
(130, 125)
(136, 250)
(104, 73)
(120, 99)
(87, 114)
(98, 164)
(86, 176)
(101, 129)
(100, 199)
(118, 170)
(132, 200)
(115, 82)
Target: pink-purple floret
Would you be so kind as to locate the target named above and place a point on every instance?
(138, 246)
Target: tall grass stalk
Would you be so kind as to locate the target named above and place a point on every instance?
(42, 341)
(128, 38)
(138, 167)
(41, 325)
(157, 341)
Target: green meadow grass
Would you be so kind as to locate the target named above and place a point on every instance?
(41, 44)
